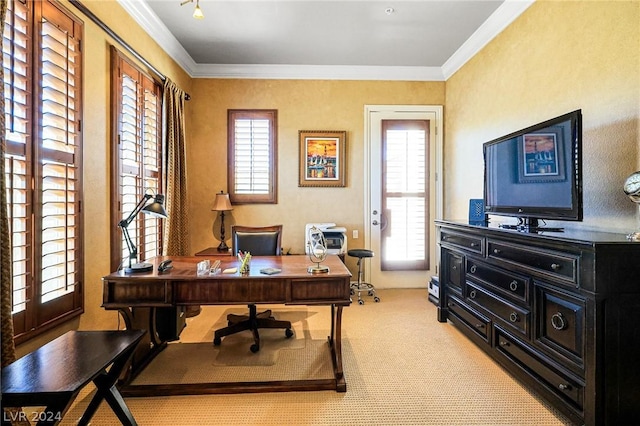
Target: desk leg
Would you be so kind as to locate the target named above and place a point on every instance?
(335, 342)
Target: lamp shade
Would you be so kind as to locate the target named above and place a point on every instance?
(156, 208)
(222, 203)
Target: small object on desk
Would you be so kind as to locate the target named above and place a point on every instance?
(270, 271)
(165, 265)
(230, 271)
(215, 269)
(203, 267)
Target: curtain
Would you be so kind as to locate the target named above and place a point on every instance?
(176, 226)
(8, 348)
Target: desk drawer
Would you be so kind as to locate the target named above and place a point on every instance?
(465, 242)
(131, 293)
(515, 316)
(511, 284)
(303, 290)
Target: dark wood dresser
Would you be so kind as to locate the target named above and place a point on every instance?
(559, 310)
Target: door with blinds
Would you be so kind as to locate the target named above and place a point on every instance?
(403, 196)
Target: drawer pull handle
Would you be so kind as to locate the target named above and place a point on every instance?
(504, 343)
(474, 244)
(496, 251)
(451, 304)
(555, 266)
(513, 285)
(479, 325)
(454, 267)
(472, 294)
(513, 317)
(473, 269)
(563, 386)
(558, 322)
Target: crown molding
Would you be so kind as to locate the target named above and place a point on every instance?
(317, 72)
(497, 22)
(494, 25)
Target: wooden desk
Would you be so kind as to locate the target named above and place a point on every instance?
(53, 375)
(136, 297)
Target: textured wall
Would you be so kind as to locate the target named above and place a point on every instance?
(555, 58)
(301, 105)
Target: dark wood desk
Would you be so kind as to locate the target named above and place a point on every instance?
(137, 296)
(53, 375)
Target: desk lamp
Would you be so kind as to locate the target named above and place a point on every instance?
(222, 204)
(154, 209)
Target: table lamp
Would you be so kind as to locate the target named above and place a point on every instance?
(222, 204)
(154, 208)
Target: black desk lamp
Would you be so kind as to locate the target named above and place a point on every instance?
(222, 204)
(154, 209)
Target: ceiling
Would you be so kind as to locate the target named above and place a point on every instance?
(330, 39)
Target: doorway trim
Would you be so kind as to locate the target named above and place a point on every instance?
(437, 197)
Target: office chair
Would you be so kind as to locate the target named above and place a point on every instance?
(259, 241)
(360, 285)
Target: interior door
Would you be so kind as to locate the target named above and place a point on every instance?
(403, 193)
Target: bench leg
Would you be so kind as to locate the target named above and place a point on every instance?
(106, 389)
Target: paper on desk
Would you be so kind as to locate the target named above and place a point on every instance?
(230, 271)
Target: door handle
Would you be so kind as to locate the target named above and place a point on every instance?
(375, 222)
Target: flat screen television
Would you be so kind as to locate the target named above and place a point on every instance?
(536, 173)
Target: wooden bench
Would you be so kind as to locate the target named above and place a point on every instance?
(53, 375)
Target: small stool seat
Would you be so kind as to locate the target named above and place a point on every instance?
(360, 285)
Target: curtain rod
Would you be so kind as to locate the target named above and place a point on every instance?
(119, 39)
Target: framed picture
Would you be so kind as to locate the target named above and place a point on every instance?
(322, 158)
(541, 157)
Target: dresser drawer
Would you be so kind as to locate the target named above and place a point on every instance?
(508, 283)
(560, 382)
(560, 324)
(453, 265)
(474, 320)
(465, 242)
(515, 316)
(558, 265)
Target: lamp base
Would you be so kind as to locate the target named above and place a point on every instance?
(634, 236)
(223, 246)
(138, 267)
(318, 269)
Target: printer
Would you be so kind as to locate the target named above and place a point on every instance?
(335, 236)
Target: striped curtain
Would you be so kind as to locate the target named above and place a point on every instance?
(176, 226)
(8, 348)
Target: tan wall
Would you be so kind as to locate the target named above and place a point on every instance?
(97, 151)
(555, 58)
(301, 105)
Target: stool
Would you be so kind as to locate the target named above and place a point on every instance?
(360, 285)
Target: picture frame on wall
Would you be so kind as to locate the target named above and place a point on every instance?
(322, 161)
(541, 158)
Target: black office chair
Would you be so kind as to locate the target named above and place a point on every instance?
(259, 241)
(360, 285)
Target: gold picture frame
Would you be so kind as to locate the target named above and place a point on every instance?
(322, 158)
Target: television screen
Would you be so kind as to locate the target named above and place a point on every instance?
(535, 173)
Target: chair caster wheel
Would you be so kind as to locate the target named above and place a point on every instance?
(254, 348)
(360, 302)
(376, 299)
(217, 341)
(370, 293)
(352, 292)
(288, 333)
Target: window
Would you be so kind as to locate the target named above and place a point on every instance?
(137, 157)
(252, 169)
(43, 163)
(405, 235)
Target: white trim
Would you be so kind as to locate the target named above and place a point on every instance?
(318, 72)
(497, 22)
(494, 25)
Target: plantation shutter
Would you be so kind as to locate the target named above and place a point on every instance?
(138, 157)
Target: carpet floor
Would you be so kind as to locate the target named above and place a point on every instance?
(402, 367)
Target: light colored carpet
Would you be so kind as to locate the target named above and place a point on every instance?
(402, 367)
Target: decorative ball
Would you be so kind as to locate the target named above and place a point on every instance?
(632, 187)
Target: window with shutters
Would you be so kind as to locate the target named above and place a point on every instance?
(137, 157)
(405, 231)
(252, 163)
(42, 64)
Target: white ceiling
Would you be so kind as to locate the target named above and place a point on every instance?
(330, 39)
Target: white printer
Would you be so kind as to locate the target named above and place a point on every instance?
(335, 236)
